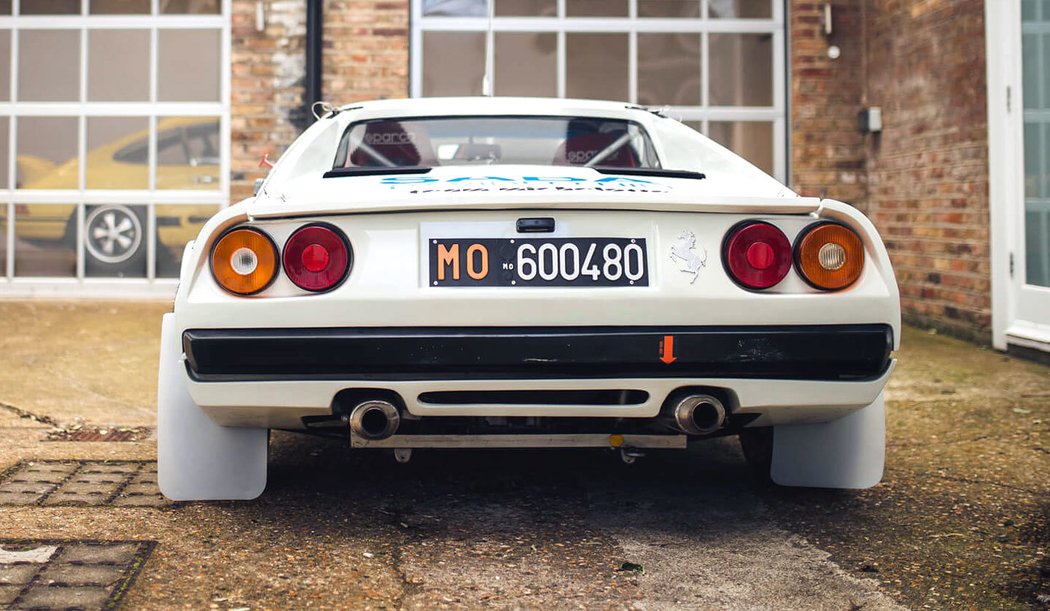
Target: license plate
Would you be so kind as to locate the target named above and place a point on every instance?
(559, 262)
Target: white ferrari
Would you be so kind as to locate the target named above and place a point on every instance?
(526, 273)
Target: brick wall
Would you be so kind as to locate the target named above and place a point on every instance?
(924, 180)
(365, 50)
(928, 170)
(827, 152)
(365, 56)
(266, 89)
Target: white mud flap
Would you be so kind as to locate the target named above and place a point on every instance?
(198, 460)
(844, 453)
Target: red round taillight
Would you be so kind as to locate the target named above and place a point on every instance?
(756, 254)
(317, 257)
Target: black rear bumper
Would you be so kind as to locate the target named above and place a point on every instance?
(810, 352)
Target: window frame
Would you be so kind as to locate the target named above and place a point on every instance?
(82, 110)
(632, 25)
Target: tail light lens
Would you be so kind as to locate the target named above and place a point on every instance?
(244, 261)
(317, 257)
(829, 256)
(756, 254)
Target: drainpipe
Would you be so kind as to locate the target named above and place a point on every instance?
(314, 50)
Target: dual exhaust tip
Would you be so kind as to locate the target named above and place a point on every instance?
(693, 414)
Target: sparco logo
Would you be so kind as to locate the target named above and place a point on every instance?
(578, 157)
(390, 138)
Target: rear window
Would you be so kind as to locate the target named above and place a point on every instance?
(449, 141)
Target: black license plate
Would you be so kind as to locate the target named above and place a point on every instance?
(563, 262)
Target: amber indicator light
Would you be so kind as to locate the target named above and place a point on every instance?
(829, 256)
(244, 261)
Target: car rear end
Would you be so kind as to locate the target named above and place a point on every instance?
(465, 322)
(478, 305)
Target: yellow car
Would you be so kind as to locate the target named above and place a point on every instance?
(187, 158)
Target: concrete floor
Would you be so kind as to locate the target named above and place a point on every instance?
(962, 518)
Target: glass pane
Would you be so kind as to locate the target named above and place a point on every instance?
(45, 240)
(669, 69)
(740, 9)
(1034, 175)
(1030, 56)
(668, 8)
(596, 8)
(1037, 242)
(108, 165)
(47, 153)
(49, 65)
(187, 153)
(526, 64)
(115, 241)
(596, 66)
(526, 8)
(453, 63)
(5, 126)
(5, 9)
(119, 7)
(5, 65)
(193, 7)
(1028, 10)
(118, 65)
(188, 65)
(176, 225)
(1044, 79)
(50, 7)
(741, 69)
(455, 8)
(751, 140)
(495, 140)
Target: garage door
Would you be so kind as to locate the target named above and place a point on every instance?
(113, 140)
(718, 65)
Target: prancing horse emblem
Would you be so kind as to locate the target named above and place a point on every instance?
(688, 259)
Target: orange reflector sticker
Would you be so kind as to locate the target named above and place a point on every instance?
(244, 261)
(830, 256)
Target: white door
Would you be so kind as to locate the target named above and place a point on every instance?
(1019, 146)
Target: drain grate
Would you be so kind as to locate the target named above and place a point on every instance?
(38, 574)
(100, 433)
(82, 483)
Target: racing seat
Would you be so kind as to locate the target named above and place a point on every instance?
(391, 141)
(581, 148)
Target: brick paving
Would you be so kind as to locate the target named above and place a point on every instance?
(82, 483)
(68, 574)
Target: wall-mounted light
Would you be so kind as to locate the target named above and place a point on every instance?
(869, 120)
(260, 17)
(826, 24)
(827, 28)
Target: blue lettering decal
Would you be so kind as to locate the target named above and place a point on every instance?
(465, 178)
(622, 179)
(406, 180)
(552, 179)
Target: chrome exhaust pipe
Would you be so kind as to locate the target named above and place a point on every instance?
(374, 419)
(699, 414)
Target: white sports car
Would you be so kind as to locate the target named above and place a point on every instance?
(512, 273)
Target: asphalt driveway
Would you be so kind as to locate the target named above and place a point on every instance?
(962, 518)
